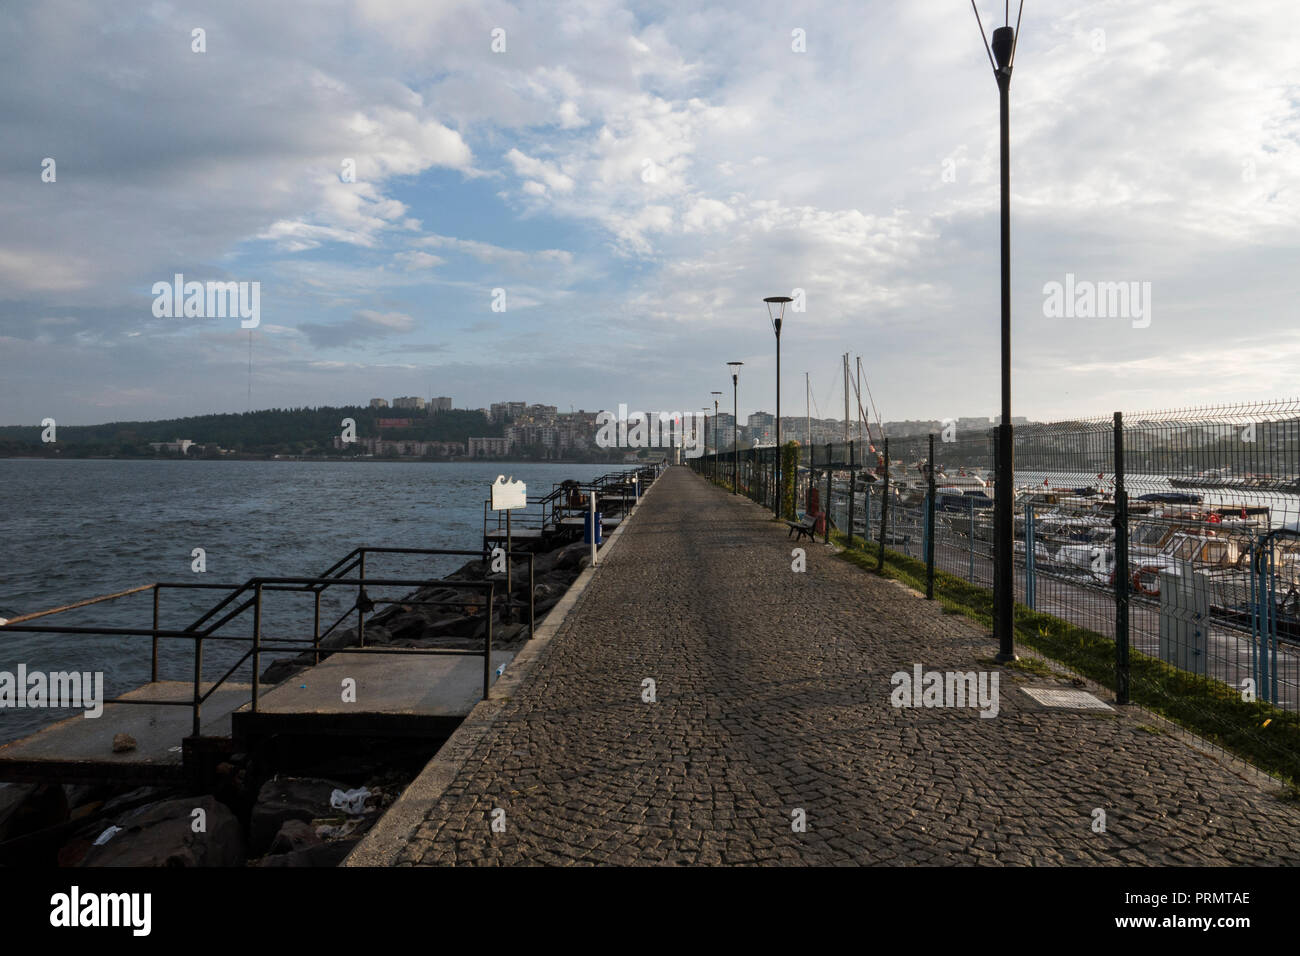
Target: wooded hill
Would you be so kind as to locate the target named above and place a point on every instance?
(272, 431)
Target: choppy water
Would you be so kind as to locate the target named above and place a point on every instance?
(76, 529)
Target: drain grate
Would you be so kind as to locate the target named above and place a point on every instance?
(1073, 699)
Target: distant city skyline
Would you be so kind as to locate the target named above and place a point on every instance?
(790, 423)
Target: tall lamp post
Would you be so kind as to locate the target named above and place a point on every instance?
(776, 313)
(716, 449)
(706, 431)
(1002, 55)
(735, 418)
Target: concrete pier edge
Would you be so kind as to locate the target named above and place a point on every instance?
(385, 840)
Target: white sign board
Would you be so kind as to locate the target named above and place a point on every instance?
(508, 495)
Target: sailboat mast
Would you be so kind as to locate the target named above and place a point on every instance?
(857, 390)
(846, 398)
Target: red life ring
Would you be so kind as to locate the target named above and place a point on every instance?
(1141, 588)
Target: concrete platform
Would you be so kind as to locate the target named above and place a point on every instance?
(606, 523)
(396, 695)
(80, 749)
(518, 534)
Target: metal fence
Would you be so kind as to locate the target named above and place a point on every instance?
(1174, 537)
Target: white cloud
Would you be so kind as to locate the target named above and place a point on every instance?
(708, 215)
(30, 271)
(539, 173)
(569, 116)
(486, 252)
(419, 260)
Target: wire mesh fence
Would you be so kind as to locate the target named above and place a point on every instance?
(1158, 554)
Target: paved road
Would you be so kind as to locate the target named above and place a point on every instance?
(773, 695)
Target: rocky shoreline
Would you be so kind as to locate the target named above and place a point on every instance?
(266, 809)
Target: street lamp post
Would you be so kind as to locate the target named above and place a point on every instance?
(716, 449)
(706, 430)
(776, 313)
(735, 418)
(1002, 54)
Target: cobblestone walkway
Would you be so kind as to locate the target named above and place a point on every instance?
(773, 695)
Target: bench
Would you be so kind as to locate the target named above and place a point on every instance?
(804, 528)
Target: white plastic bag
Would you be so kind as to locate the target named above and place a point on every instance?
(112, 832)
(350, 801)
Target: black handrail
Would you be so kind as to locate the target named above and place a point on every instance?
(258, 585)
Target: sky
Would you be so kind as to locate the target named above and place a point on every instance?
(584, 204)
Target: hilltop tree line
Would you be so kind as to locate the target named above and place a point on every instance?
(272, 431)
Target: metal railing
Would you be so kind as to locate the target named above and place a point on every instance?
(247, 598)
(545, 514)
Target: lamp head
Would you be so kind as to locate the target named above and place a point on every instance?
(776, 310)
(1004, 42)
(1002, 49)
